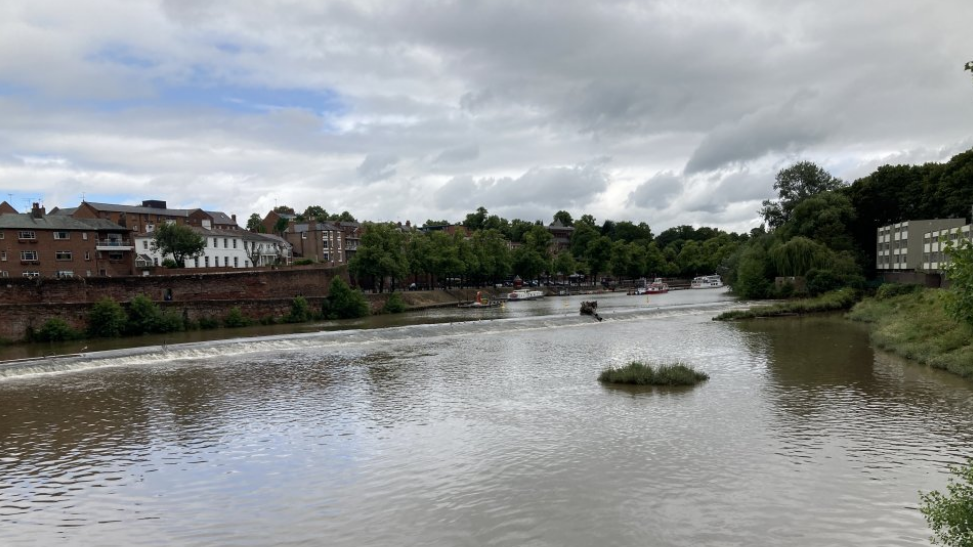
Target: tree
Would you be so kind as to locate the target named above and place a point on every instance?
(825, 218)
(315, 212)
(381, 254)
(959, 304)
(795, 184)
(284, 209)
(564, 218)
(281, 226)
(950, 515)
(345, 216)
(475, 221)
(254, 224)
(968, 66)
(178, 240)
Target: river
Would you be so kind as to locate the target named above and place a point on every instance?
(484, 427)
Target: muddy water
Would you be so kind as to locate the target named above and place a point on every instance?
(447, 428)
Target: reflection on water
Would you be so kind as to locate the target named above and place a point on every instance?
(491, 432)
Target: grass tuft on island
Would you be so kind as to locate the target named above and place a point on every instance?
(839, 300)
(642, 374)
(913, 323)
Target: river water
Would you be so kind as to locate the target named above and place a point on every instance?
(484, 427)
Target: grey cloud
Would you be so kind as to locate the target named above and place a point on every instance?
(656, 193)
(550, 187)
(377, 167)
(788, 127)
(458, 154)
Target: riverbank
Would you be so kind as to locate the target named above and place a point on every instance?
(916, 326)
(840, 300)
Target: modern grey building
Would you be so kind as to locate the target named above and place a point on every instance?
(900, 246)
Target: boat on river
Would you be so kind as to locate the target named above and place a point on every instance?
(656, 287)
(707, 282)
(481, 302)
(524, 294)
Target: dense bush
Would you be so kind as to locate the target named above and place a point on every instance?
(891, 290)
(304, 262)
(638, 373)
(235, 318)
(107, 319)
(144, 316)
(300, 311)
(822, 281)
(55, 330)
(842, 299)
(394, 304)
(343, 302)
(208, 323)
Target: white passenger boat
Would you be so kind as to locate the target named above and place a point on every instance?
(524, 294)
(707, 282)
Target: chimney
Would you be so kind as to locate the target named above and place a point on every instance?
(233, 216)
(37, 211)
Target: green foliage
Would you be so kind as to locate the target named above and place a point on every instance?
(751, 278)
(343, 302)
(916, 326)
(642, 374)
(394, 304)
(304, 262)
(300, 311)
(841, 299)
(107, 319)
(950, 515)
(169, 263)
(891, 290)
(822, 281)
(959, 305)
(254, 223)
(208, 323)
(794, 185)
(144, 316)
(178, 240)
(799, 255)
(55, 330)
(381, 254)
(235, 318)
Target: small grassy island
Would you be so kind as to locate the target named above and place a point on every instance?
(641, 374)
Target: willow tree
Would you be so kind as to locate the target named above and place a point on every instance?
(799, 255)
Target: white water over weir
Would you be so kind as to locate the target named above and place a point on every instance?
(483, 427)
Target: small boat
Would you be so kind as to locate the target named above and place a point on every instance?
(481, 302)
(524, 294)
(656, 287)
(706, 282)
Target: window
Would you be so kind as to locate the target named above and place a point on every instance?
(324, 244)
(115, 255)
(87, 255)
(145, 244)
(28, 256)
(196, 262)
(226, 245)
(26, 234)
(234, 244)
(31, 274)
(64, 273)
(84, 236)
(149, 228)
(62, 235)
(236, 262)
(206, 258)
(4, 274)
(1, 235)
(62, 255)
(135, 228)
(3, 256)
(87, 273)
(226, 261)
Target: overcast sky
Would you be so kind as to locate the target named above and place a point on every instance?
(668, 112)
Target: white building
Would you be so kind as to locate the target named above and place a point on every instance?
(224, 249)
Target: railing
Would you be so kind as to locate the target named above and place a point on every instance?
(113, 243)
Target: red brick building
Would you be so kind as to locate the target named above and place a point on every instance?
(40, 245)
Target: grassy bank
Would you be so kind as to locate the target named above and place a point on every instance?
(839, 300)
(915, 326)
(641, 374)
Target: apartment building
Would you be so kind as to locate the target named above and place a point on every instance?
(332, 242)
(36, 244)
(901, 246)
(935, 244)
(144, 218)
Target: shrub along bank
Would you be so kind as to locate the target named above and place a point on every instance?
(914, 323)
(839, 300)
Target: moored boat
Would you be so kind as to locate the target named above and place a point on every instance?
(706, 282)
(524, 294)
(656, 287)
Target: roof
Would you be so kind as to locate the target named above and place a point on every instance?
(219, 217)
(138, 209)
(57, 222)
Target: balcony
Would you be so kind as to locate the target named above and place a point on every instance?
(114, 245)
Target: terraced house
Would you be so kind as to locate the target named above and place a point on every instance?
(36, 244)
